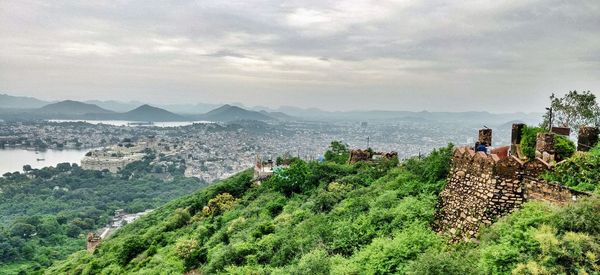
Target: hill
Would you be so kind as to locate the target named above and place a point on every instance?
(20, 102)
(335, 218)
(114, 105)
(150, 113)
(71, 107)
(227, 113)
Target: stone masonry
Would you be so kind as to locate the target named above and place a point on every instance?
(484, 187)
(588, 138)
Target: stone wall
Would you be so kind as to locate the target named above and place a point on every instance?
(482, 188)
(588, 138)
(93, 240)
(369, 155)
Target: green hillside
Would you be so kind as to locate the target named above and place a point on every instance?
(331, 218)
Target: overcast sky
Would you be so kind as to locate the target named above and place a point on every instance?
(501, 56)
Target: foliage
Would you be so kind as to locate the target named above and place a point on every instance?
(564, 147)
(293, 179)
(573, 110)
(434, 167)
(338, 152)
(581, 171)
(329, 218)
(46, 213)
(528, 140)
(219, 204)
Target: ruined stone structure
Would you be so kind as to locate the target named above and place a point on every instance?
(563, 131)
(544, 147)
(93, 240)
(485, 136)
(588, 138)
(481, 188)
(368, 155)
(484, 187)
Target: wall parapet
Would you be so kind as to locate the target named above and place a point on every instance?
(484, 187)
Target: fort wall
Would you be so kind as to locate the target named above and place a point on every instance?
(484, 187)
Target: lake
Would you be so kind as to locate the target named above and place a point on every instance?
(127, 122)
(13, 159)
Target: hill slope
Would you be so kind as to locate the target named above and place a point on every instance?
(150, 113)
(20, 102)
(228, 113)
(327, 218)
(70, 107)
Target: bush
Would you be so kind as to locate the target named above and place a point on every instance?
(581, 171)
(129, 248)
(435, 262)
(564, 147)
(434, 167)
(314, 262)
(338, 152)
(219, 204)
(178, 219)
(294, 179)
(392, 255)
(528, 140)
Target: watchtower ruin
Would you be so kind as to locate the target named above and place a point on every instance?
(483, 187)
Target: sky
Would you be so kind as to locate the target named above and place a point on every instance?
(498, 56)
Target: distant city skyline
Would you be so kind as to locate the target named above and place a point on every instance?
(496, 56)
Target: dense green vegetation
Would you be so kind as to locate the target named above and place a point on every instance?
(581, 172)
(563, 145)
(331, 218)
(528, 140)
(46, 213)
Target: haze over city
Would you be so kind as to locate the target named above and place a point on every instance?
(499, 56)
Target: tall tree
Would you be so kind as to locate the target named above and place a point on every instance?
(573, 110)
(338, 152)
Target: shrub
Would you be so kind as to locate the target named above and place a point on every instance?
(528, 140)
(178, 219)
(314, 262)
(338, 152)
(219, 204)
(432, 168)
(435, 262)
(581, 171)
(129, 248)
(564, 147)
(392, 255)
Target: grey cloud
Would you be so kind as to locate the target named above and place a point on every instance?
(221, 51)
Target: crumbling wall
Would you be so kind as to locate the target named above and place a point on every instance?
(93, 240)
(546, 191)
(369, 155)
(482, 188)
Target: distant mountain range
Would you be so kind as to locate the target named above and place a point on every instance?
(70, 109)
(14, 107)
(20, 102)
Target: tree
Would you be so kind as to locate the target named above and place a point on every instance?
(338, 152)
(23, 230)
(26, 168)
(293, 179)
(573, 110)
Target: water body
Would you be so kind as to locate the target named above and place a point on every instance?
(13, 159)
(135, 123)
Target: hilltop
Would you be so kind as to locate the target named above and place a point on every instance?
(20, 102)
(71, 107)
(339, 218)
(228, 113)
(150, 113)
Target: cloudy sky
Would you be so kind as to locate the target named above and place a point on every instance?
(500, 56)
